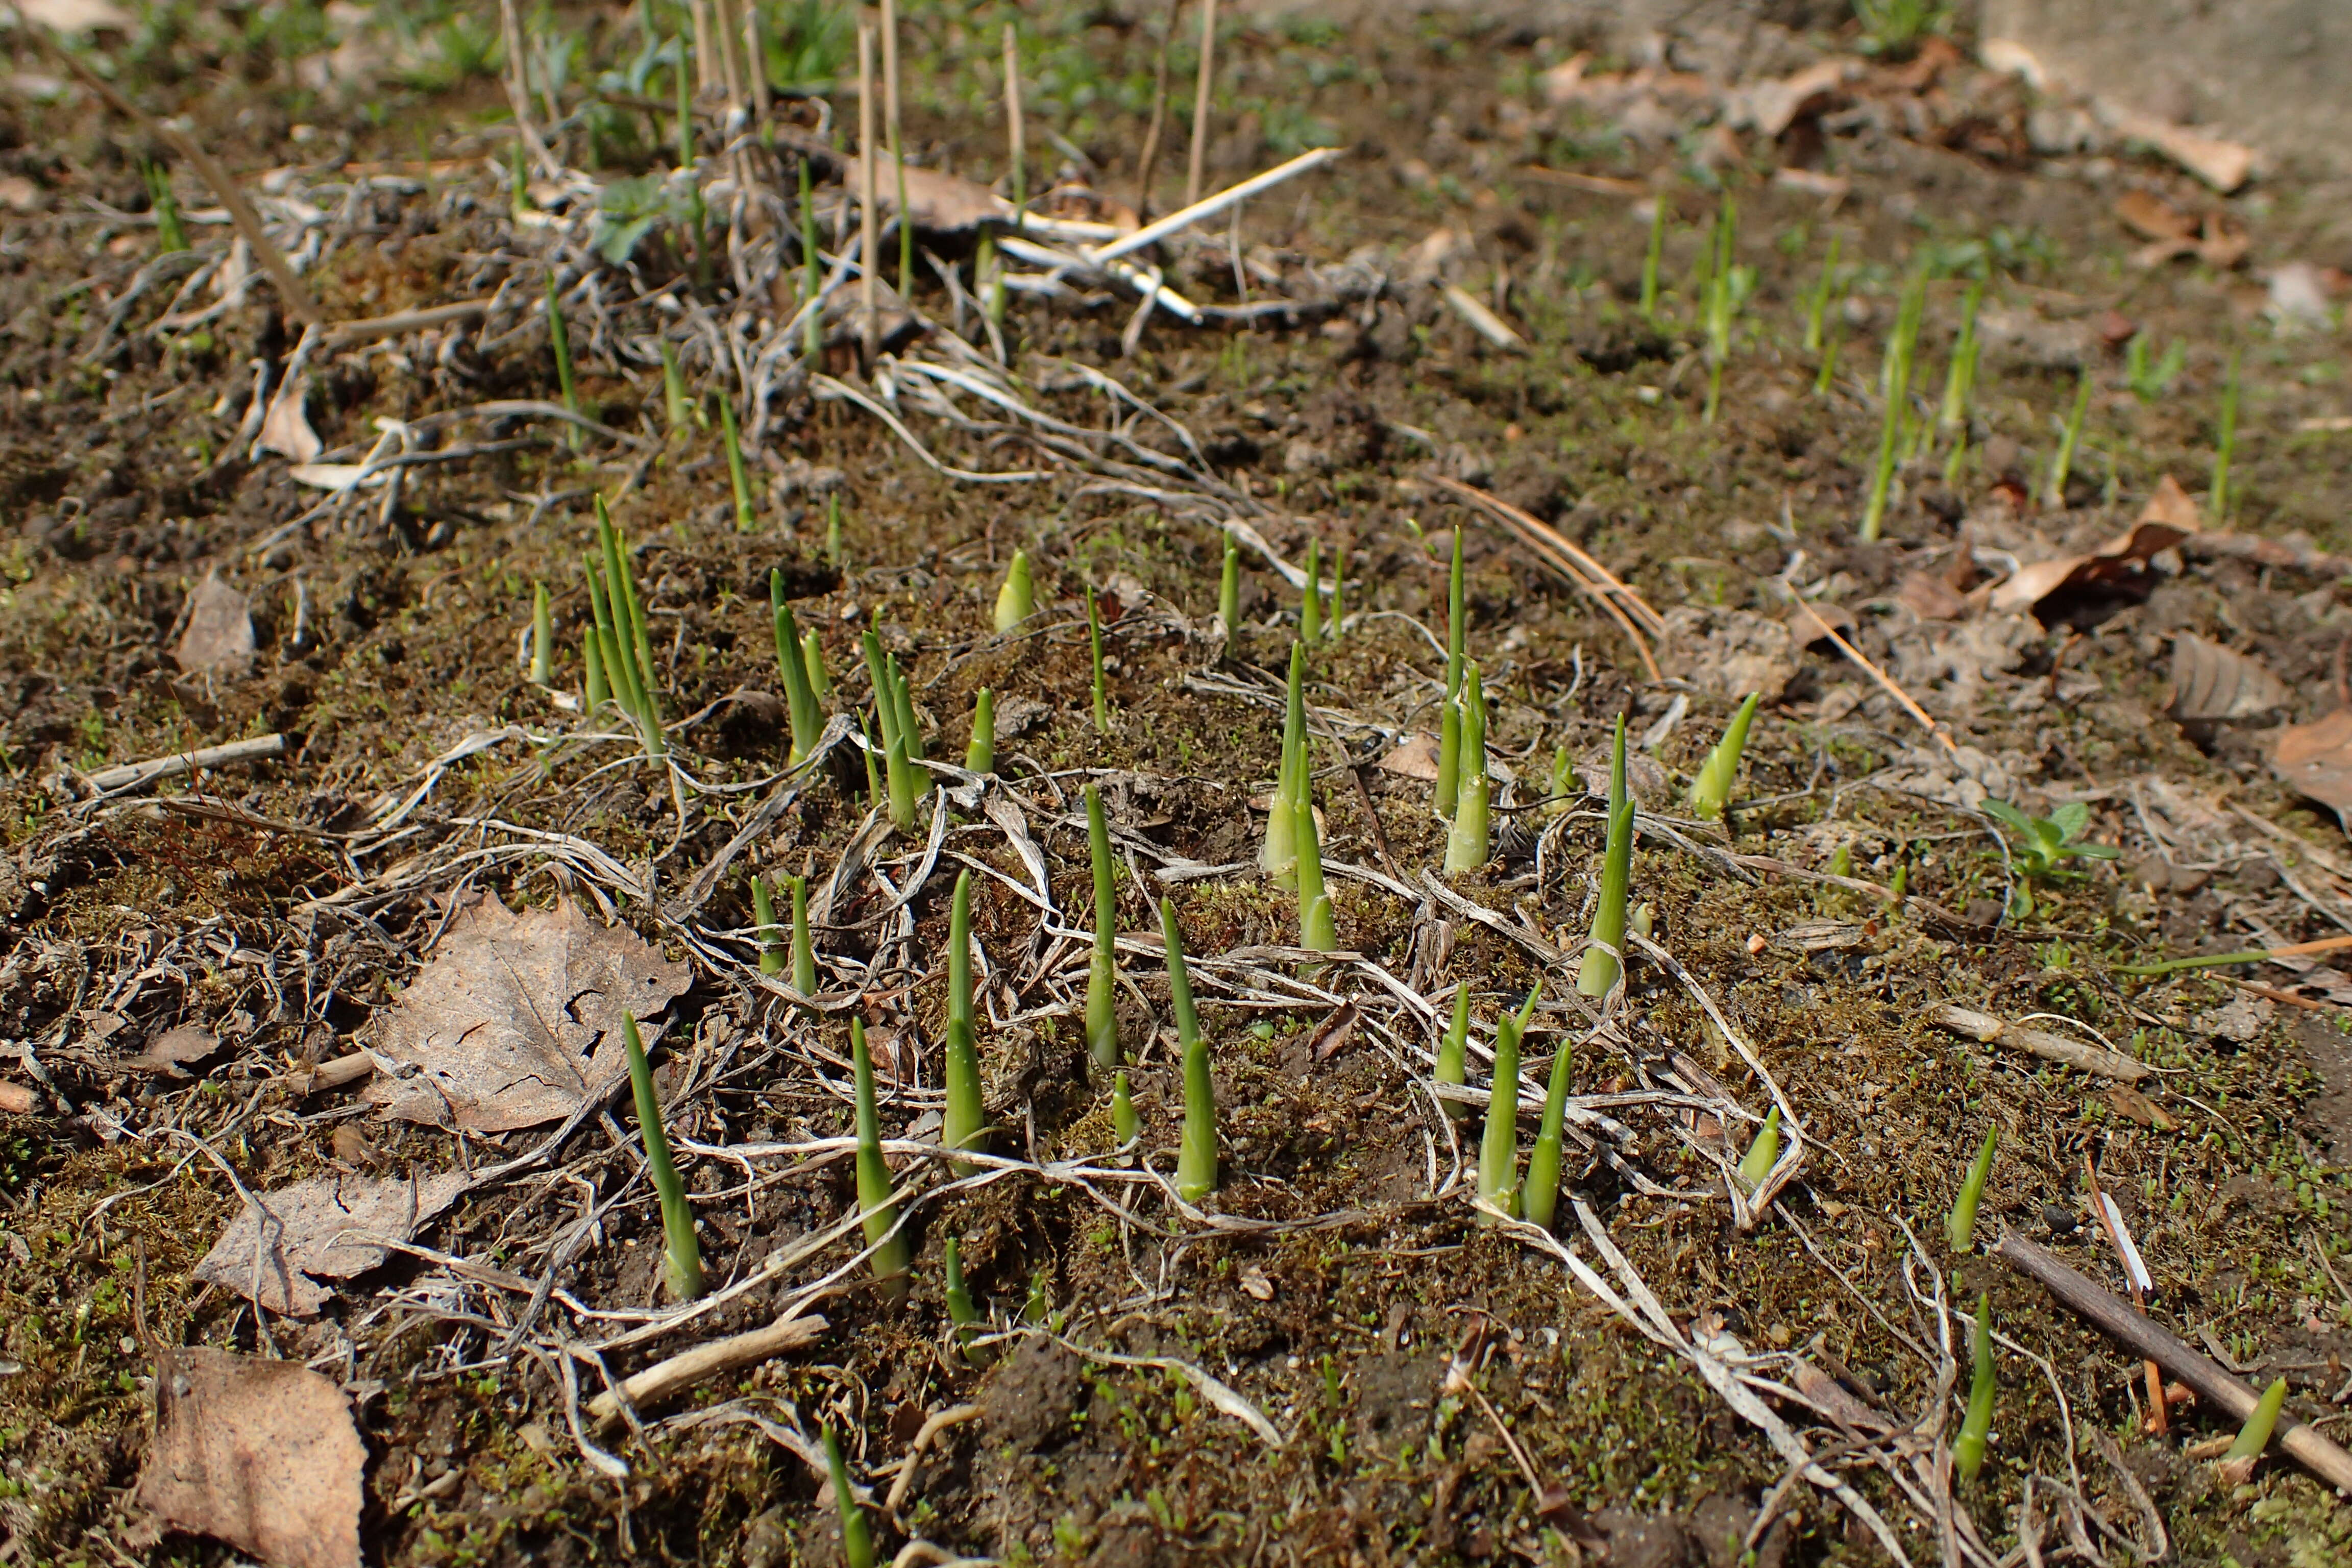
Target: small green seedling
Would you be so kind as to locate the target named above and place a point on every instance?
(1469, 845)
(2237, 1464)
(764, 921)
(1817, 303)
(1102, 970)
(1962, 1227)
(856, 1536)
(1563, 784)
(2045, 844)
(1728, 286)
(542, 637)
(2225, 446)
(1338, 593)
(677, 406)
(812, 270)
(962, 1315)
(625, 653)
(804, 950)
(1976, 1426)
(964, 1123)
(745, 520)
(1229, 589)
(1126, 1126)
(1454, 1053)
(1960, 383)
(1498, 1149)
(1710, 790)
(876, 1212)
(1310, 600)
(979, 757)
(171, 235)
(1017, 601)
(2151, 379)
(1542, 1196)
(792, 663)
(1279, 857)
(2061, 462)
(1763, 1154)
(1449, 744)
(1894, 385)
(1604, 964)
(1094, 652)
(682, 1254)
(1196, 1158)
(1317, 923)
(559, 339)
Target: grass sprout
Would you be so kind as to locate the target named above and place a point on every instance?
(1102, 970)
(682, 1254)
(1817, 303)
(677, 406)
(559, 338)
(1017, 601)
(1710, 790)
(1095, 654)
(1960, 1229)
(979, 757)
(1498, 1149)
(625, 651)
(1229, 588)
(1603, 964)
(1728, 288)
(1976, 1426)
(963, 1316)
(1279, 857)
(1895, 387)
(763, 921)
(1310, 603)
(1125, 1125)
(1541, 1195)
(171, 233)
(813, 656)
(876, 1212)
(745, 520)
(1449, 740)
(812, 268)
(2061, 461)
(804, 950)
(2256, 1435)
(1317, 924)
(1454, 1053)
(792, 663)
(856, 1536)
(964, 1124)
(1468, 844)
(1196, 1157)
(1757, 1163)
(2151, 379)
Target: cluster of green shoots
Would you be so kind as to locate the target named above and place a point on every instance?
(800, 659)
(1894, 389)
(1314, 624)
(619, 655)
(1293, 851)
(1728, 284)
(907, 780)
(1461, 796)
(2045, 845)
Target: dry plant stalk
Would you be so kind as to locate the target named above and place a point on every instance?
(1016, 135)
(1151, 135)
(1200, 150)
(1588, 576)
(870, 236)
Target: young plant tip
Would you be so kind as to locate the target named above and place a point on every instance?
(682, 1253)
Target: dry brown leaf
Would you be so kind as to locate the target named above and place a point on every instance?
(306, 1236)
(2121, 560)
(1930, 598)
(518, 1017)
(2172, 507)
(1330, 1037)
(2152, 217)
(943, 202)
(1806, 620)
(176, 1048)
(1774, 105)
(259, 1454)
(2131, 1102)
(1414, 758)
(2224, 165)
(2212, 684)
(17, 1100)
(286, 426)
(1645, 776)
(2317, 760)
(218, 637)
(2223, 242)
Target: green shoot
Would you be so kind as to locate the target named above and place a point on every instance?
(1093, 646)
(1976, 1426)
(856, 1538)
(813, 656)
(1125, 1125)
(1453, 1052)
(2256, 1435)
(170, 234)
(1644, 916)
(989, 273)
(834, 553)
(1467, 845)
(800, 696)
(812, 269)
(1959, 381)
(1817, 307)
(1229, 588)
(1102, 972)
(1499, 1151)
(542, 637)
(1541, 1195)
(1604, 964)
(979, 757)
(627, 653)
(1317, 925)
(1728, 289)
(804, 950)
(1311, 606)
(1710, 789)
(1338, 591)
(559, 339)
(682, 1254)
(1757, 1163)
(1894, 385)
(1279, 857)
(593, 692)
(2046, 843)
(763, 919)
(1962, 1227)
(876, 792)
(1655, 254)
(964, 1124)
(2225, 447)
(1017, 601)
(1196, 1158)
(745, 520)
(1449, 737)
(1456, 621)
(876, 1212)
(2061, 462)
(676, 404)
(2151, 379)
(964, 1317)
(1038, 1305)
(900, 774)
(1447, 792)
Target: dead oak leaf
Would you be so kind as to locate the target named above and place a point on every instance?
(2317, 760)
(2120, 561)
(2212, 684)
(322, 1228)
(218, 637)
(516, 1018)
(259, 1454)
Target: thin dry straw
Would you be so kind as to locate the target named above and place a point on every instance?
(1015, 133)
(1151, 135)
(870, 231)
(1596, 582)
(1199, 149)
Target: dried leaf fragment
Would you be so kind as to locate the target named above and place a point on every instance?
(321, 1227)
(1414, 758)
(259, 1454)
(2121, 561)
(2317, 760)
(2214, 684)
(517, 1017)
(218, 637)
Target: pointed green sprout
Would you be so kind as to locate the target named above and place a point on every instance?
(1604, 963)
(1310, 603)
(745, 520)
(856, 1536)
(1894, 385)
(1102, 970)
(2061, 462)
(559, 339)
(1499, 1151)
(1039, 1304)
(1449, 741)
(1338, 591)
(2256, 1435)
(961, 1314)
(812, 269)
(1196, 1158)
(682, 1254)
(1976, 1426)
(1541, 1195)
(1960, 1229)
(876, 1212)
(965, 1122)
(800, 696)
(1094, 647)
(1727, 288)
(593, 692)
(804, 950)
(892, 707)
(625, 651)
(1468, 846)
(1318, 930)
(1757, 1163)
(1279, 857)
(834, 552)
(876, 793)
(987, 271)
(763, 921)
(1453, 1052)
(1125, 1125)
(1961, 381)
(542, 637)
(1229, 588)
(1017, 601)
(1710, 789)
(171, 235)
(902, 780)
(2225, 446)
(979, 757)
(1655, 254)
(1817, 305)
(813, 656)
(675, 406)
(1563, 784)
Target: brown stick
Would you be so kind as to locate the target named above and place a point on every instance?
(1199, 149)
(683, 1371)
(2112, 1317)
(542, 161)
(1587, 575)
(1150, 160)
(1016, 131)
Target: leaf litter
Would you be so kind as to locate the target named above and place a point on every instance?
(257, 1453)
(282, 1243)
